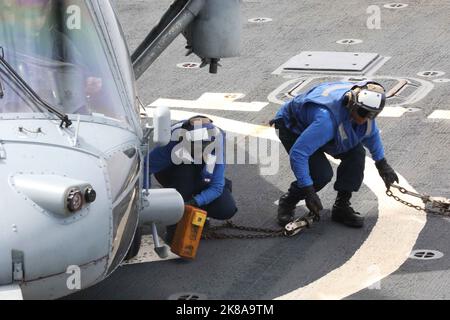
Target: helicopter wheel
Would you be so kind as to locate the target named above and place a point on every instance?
(134, 249)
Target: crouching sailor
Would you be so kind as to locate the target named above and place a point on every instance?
(193, 163)
(336, 118)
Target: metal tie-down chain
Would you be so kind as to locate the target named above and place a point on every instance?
(433, 205)
(289, 230)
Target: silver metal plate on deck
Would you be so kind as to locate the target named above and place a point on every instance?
(331, 61)
(147, 252)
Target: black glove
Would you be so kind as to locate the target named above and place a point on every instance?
(191, 203)
(386, 172)
(312, 199)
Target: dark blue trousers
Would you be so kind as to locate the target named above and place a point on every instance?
(186, 179)
(350, 172)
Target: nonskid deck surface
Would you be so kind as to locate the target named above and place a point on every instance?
(328, 260)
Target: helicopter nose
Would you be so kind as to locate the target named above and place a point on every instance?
(56, 212)
(68, 198)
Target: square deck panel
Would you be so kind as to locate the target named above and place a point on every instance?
(332, 61)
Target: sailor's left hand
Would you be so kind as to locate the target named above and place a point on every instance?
(386, 172)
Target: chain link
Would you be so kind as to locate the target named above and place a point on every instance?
(291, 229)
(406, 203)
(438, 207)
(211, 232)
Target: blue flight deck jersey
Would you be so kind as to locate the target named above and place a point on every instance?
(321, 120)
(161, 158)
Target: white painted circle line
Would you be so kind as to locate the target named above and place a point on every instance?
(386, 248)
(259, 20)
(349, 41)
(422, 91)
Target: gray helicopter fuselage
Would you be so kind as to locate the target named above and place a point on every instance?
(73, 141)
(42, 245)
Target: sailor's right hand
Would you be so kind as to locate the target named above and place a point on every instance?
(386, 172)
(312, 200)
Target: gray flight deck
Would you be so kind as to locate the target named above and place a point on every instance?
(413, 39)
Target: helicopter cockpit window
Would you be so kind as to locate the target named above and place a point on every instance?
(54, 46)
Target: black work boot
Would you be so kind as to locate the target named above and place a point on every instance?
(343, 213)
(286, 208)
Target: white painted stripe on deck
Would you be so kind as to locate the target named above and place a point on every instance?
(239, 127)
(299, 204)
(440, 114)
(213, 101)
(386, 248)
(393, 112)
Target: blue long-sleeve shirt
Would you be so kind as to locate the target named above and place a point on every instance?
(161, 158)
(321, 129)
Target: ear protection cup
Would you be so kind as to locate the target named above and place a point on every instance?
(353, 99)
